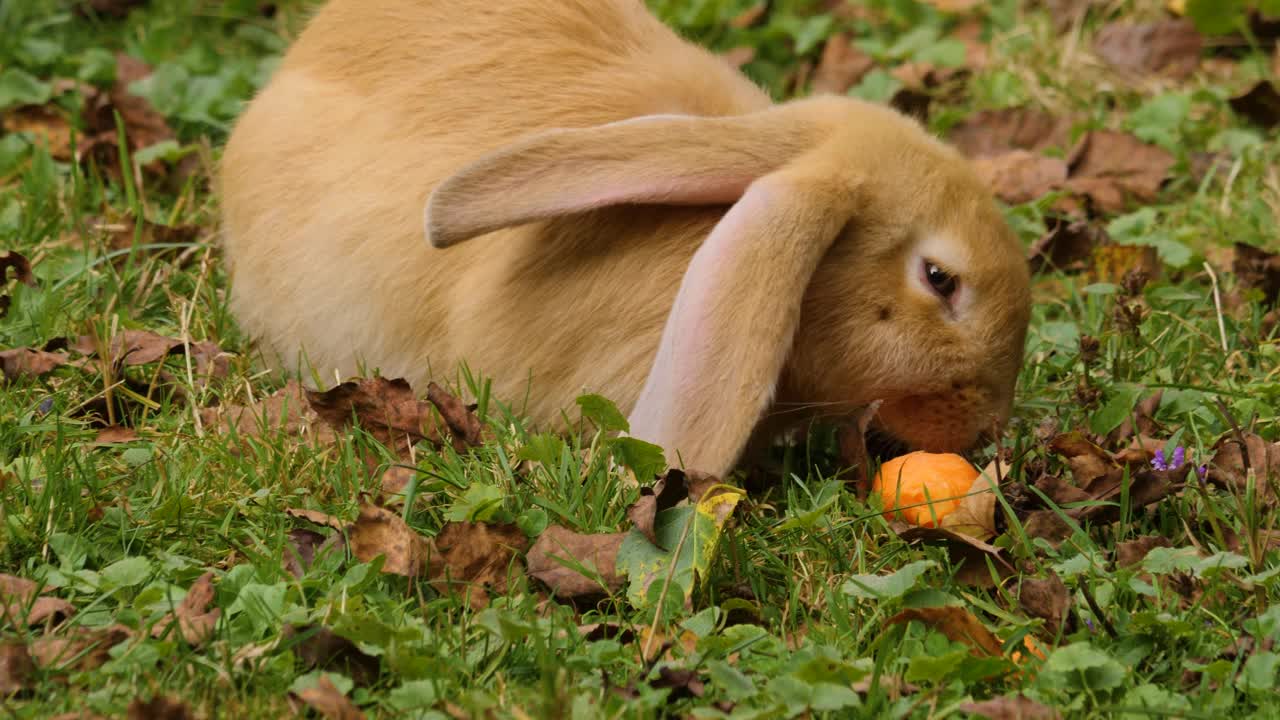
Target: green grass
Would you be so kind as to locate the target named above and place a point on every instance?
(122, 531)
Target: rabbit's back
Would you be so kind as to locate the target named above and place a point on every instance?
(326, 176)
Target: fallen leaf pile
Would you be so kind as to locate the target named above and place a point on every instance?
(97, 140)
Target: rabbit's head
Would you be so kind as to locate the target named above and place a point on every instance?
(860, 260)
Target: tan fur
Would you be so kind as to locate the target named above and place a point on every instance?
(380, 103)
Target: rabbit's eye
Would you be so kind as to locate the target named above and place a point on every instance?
(942, 282)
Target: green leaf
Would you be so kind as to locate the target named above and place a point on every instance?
(414, 695)
(735, 684)
(128, 572)
(1116, 410)
(929, 668)
(829, 697)
(888, 587)
(644, 459)
(545, 448)
(18, 87)
(876, 86)
(603, 413)
(1259, 672)
(479, 503)
(1153, 697)
(1216, 17)
(1160, 119)
(687, 539)
(1083, 666)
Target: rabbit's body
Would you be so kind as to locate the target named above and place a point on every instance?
(580, 63)
(586, 239)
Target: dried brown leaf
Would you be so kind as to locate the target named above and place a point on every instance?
(1047, 599)
(1233, 461)
(387, 409)
(1068, 245)
(115, 434)
(1260, 105)
(286, 411)
(975, 516)
(1020, 176)
(682, 682)
(854, 455)
(329, 702)
(1110, 167)
(79, 648)
(1047, 525)
(193, 617)
(463, 424)
(1165, 47)
(1088, 461)
(551, 559)
(26, 362)
(160, 707)
(996, 132)
(476, 556)
(1256, 268)
(302, 548)
(957, 624)
(317, 517)
(1133, 552)
(1011, 707)
(841, 67)
(16, 668)
(319, 648)
(968, 555)
(22, 604)
(21, 267)
(379, 531)
(47, 125)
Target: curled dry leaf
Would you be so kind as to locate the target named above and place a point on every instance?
(47, 124)
(1067, 246)
(378, 531)
(21, 603)
(319, 648)
(975, 516)
(393, 485)
(26, 362)
(160, 707)
(1260, 105)
(329, 702)
(195, 621)
(1236, 458)
(302, 548)
(16, 668)
(463, 424)
(1046, 599)
(286, 411)
(1133, 552)
(475, 556)
(684, 683)
(317, 517)
(143, 125)
(841, 67)
(1141, 422)
(1166, 47)
(113, 434)
(1047, 525)
(957, 624)
(553, 558)
(1109, 167)
(854, 454)
(21, 267)
(968, 555)
(1020, 176)
(79, 648)
(1011, 707)
(990, 133)
(1256, 268)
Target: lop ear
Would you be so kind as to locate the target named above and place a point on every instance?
(666, 159)
(735, 316)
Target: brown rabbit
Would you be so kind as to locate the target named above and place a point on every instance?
(611, 209)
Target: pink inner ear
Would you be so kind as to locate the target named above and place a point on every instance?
(695, 360)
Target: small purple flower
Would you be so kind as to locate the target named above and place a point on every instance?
(1178, 460)
(1158, 462)
(1202, 472)
(1089, 622)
